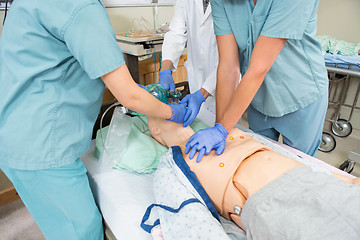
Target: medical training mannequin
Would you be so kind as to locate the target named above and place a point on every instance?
(55, 59)
(192, 26)
(252, 172)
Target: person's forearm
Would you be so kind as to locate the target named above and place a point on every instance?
(225, 88)
(123, 87)
(205, 93)
(147, 104)
(166, 64)
(227, 74)
(241, 99)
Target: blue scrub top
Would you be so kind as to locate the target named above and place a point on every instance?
(298, 76)
(52, 55)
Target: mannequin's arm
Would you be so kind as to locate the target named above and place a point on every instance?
(347, 179)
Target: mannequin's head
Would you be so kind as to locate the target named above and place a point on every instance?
(168, 133)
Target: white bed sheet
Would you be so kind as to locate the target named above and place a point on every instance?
(123, 197)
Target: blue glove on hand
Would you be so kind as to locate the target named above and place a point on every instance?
(194, 102)
(166, 80)
(178, 112)
(142, 86)
(205, 140)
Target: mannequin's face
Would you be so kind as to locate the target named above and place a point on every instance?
(168, 133)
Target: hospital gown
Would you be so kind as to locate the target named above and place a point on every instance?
(173, 185)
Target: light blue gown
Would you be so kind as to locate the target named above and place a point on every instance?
(52, 55)
(298, 77)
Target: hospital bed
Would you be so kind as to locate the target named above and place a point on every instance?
(342, 72)
(123, 196)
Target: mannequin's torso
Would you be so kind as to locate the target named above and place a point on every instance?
(254, 172)
(247, 163)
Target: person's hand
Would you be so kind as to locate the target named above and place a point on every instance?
(166, 80)
(142, 86)
(178, 112)
(205, 140)
(194, 102)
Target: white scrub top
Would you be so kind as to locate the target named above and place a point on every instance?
(52, 54)
(191, 26)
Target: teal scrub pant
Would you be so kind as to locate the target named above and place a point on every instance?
(301, 129)
(60, 200)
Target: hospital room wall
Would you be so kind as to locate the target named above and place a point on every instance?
(339, 19)
(122, 18)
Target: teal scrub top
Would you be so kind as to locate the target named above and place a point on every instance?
(52, 55)
(298, 76)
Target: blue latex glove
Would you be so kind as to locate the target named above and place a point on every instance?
(178, 112)
(142, 86)
(194, 102)
(166, 80)
(205, 140)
